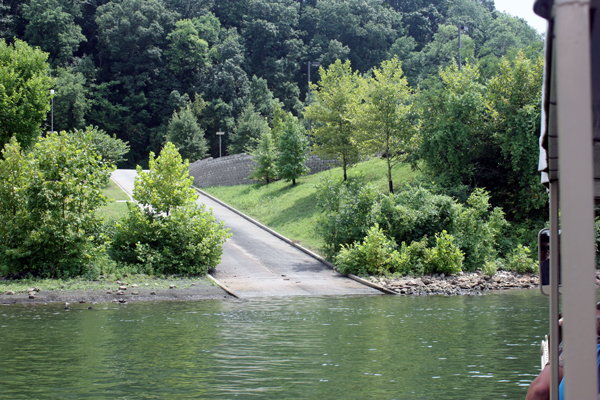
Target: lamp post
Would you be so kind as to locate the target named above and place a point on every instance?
(52, 112)
(310, 64)
(461, 28)
(220, 134)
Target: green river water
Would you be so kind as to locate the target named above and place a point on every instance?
(369, 347)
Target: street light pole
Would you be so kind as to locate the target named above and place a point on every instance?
(220, 134)
(310, 64)
(52, 113)
(461, 28)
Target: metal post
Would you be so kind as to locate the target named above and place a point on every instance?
(315, 64)
(459, 31)
(576, 180)
(52, 113)
(220, 134)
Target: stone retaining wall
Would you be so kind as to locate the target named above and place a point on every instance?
(235, 169)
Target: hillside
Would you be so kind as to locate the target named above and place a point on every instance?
(291, 210)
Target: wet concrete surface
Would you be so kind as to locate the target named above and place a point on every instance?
(256, 263)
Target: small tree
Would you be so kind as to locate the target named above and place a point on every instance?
(172, 235)
(385, 117)
(249, 128)
(24, 92)
(293, 148)
(186, 134)
(334, 113)
(265, 156)
(167, 185)
(48, 203)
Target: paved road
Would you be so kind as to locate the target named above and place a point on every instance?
(256, 263)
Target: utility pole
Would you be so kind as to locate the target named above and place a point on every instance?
(310, 64)
(461, 28)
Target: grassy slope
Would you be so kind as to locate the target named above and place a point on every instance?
(114, 209)
(291, 210)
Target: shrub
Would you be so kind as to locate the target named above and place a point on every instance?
(48, 203)
(170, 234)
(188, 241)
(445, 257)
(346, 207)
(519, 260)
(476, 229)
(411, 258)
(376, 255)
(490, 268)
(413, 213)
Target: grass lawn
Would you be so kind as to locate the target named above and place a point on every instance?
(291, 210)
(115, 208)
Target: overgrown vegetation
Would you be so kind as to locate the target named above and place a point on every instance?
(169, 233)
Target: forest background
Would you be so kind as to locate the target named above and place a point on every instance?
(139, 69)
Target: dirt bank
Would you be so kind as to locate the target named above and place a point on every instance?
(118, 292)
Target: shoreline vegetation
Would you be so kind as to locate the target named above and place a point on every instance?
(264, 203)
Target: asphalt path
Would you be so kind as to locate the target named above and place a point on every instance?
(256, 263)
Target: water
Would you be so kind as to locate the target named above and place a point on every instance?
(375, 347)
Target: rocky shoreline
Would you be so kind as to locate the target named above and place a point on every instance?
(472, 283)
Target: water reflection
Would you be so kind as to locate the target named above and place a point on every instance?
(379, 347)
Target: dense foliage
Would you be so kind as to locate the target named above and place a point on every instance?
(413, 232)
(127, 65)
(168, 233)
(141, 74)
(24, 92)
(48, 202)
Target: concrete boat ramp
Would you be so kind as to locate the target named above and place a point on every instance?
(257, 262)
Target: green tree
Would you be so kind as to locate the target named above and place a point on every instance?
(52, 225)
(456, 140)
(170, 234)
(52, 27)
(385, 117)
(187, 52)
(249, 129)
(293, 151)
(333, 114)
(185, 133)
(265, 158)
(24, 92)
(167, 185)
(110, 149)
(70, 100)
(515, 96)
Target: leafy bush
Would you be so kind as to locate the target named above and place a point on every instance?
(170, 234)
(376, 255)
(445, 257)
(188, 241)
(413, 213)
(416, 213)
(411, 260)
(476, 229)
(346, 207)
(519, 260)
(48, 203)
(490, 267)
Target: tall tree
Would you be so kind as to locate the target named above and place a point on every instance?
(293, 151)
(265, 155)
(249, 129)
(333, 114)
(385, 117)
(185, 133)
(24, 92)
(52, 27)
